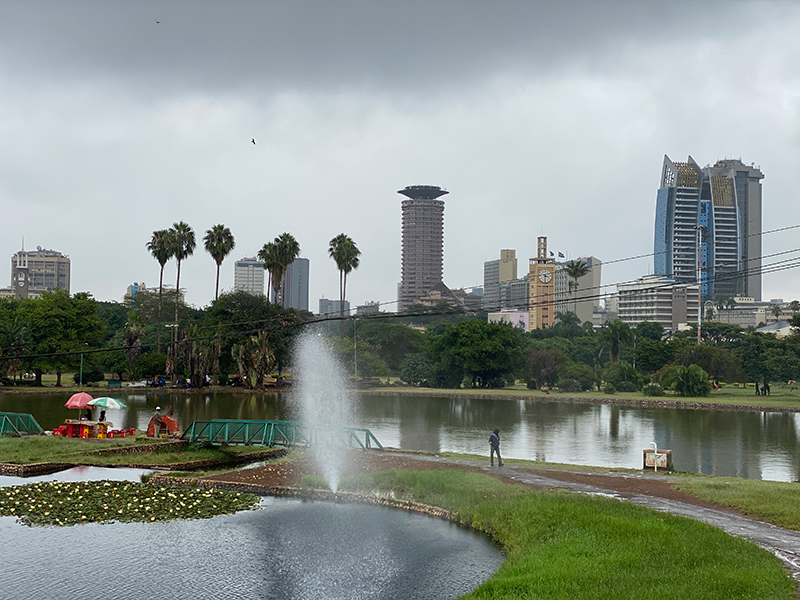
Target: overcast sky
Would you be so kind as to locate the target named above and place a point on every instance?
(539, 118)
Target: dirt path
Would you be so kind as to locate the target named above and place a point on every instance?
(649, 490)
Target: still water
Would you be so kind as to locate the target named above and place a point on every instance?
(750, 444)
(287, 550)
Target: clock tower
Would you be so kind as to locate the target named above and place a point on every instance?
(541, 288)
(20, 275)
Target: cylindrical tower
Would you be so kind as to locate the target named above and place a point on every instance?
(423, 242)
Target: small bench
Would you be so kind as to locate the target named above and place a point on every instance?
(115, 384)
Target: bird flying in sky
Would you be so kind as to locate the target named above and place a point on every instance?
(254, 141)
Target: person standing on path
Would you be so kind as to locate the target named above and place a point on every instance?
(494, 448)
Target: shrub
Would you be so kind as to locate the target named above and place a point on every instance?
(89, 377)
(627, 386)
(609, 388)
(569, 385)
(653, 389)
(622, 372)
(577, 377)
(691, 381)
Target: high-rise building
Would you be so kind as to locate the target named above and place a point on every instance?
(331, 307)
(716, 211)
(582, 299)
(296, 284)
(39, 271)
(248, 276)
(422, 243)
(659, 299)
(496, 272)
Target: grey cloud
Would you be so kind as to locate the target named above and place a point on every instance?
(408, 46)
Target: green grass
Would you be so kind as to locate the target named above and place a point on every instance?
(573, 547)
(781, 396)
(774, 501)
(537, 464)
(57, 449)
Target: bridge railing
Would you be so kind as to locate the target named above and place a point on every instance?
(276, 433)
(18, 424)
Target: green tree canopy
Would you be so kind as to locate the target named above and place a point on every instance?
(219, 243)
(391, 341)
(483, 353)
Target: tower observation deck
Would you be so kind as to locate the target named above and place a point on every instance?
(422, 242)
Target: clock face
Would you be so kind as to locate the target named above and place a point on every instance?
(545, 276)
(20, 283)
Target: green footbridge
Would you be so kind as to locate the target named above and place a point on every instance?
(19, 424)
(276, 433)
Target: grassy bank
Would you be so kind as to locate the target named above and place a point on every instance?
(772, 501)
(29, 450)
(574, 547)
(781, 398)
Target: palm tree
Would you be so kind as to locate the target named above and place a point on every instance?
(160, 246)
(219, 243)
(183, 245)
(269, 256)
(14, 340)
(343, 250)
(132, 342)
(613, 334)
(777, 311)
(575, 269)
(794, 306)
(287, 249)
(721, 303)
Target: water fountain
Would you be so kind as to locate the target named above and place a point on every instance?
(323, 403)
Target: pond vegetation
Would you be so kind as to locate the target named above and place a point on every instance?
(55, 503)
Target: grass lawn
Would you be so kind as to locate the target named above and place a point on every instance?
(573, 547)
(57, 449)
(773, 501)
(781, 396)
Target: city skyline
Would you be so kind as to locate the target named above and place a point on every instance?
(538, 118)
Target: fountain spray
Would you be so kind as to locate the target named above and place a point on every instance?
(323, 402)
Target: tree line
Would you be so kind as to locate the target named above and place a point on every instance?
(62, 333)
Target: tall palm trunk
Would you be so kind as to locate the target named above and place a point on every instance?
(216, 290)
(160, 290)
(175, 328)
(341, 303)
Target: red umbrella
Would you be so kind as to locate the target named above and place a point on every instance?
(79, 400)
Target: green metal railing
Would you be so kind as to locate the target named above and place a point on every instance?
(18, 424)
(276, 433)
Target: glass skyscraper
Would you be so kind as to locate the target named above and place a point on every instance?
(716, 210)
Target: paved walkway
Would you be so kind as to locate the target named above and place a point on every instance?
(783, 543)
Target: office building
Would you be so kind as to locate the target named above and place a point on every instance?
(368, 308)
(541, 287)
(248, 276)
(515, 318)
(296, 284)
(582, 298)
(167, 294)
(39, 271)
(331, 307)
(716, 210)
(653, 298)
(496, 272)
(422, 259)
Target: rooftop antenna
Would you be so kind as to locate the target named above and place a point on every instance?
(23, 243)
